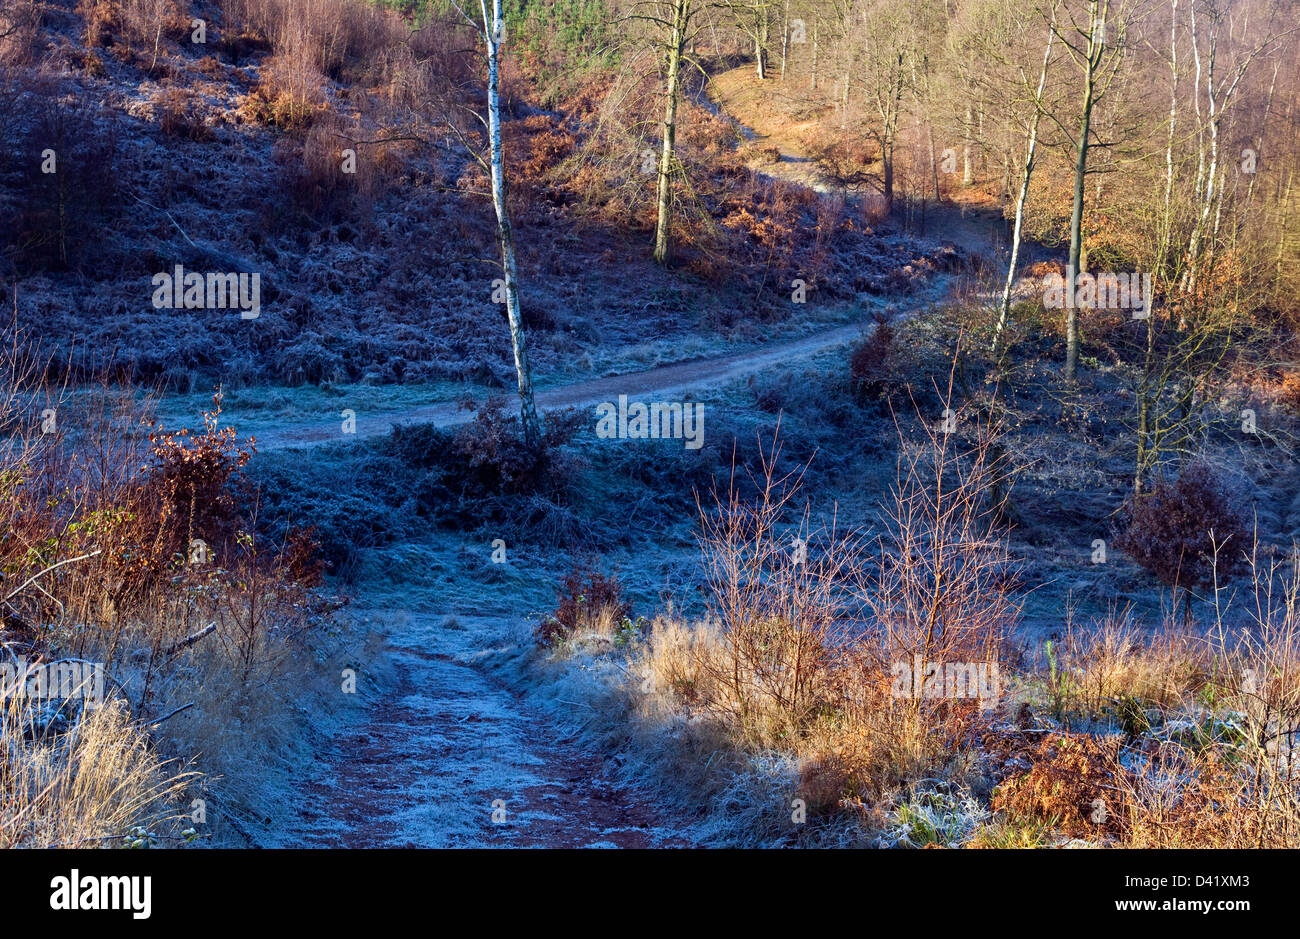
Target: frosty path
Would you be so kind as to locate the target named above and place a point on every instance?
(677, 379)
(447, 757)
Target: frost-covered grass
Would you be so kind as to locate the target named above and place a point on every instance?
(933, 819)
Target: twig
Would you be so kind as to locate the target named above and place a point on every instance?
(183, 707)
(52, 567)
(190, 640)
(172, 220)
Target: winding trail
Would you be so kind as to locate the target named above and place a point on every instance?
(427, 762)
(678, 378)
(448, 755)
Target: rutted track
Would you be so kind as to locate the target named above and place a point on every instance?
(449, 758)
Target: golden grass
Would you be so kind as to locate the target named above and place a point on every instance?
(1123, 737)
(92, 786)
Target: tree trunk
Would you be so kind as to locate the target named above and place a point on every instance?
(785, 36)
(1198, 229)
(887, 159)
(816, 24)
(934, 163)
(492, 32)
(844, 100)
(1031, 149)
(966, 175)
(1166, 222)
(1095, 44)
(663, 245)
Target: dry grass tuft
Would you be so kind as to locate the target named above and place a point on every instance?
(97, 784)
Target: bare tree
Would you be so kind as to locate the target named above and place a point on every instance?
(1096, 45)
(1031, 151)
(888, 60)
(754, 19)
(673, 26)
(491, 29)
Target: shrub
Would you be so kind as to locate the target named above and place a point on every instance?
(495, 457)
(871, 363)
(777, 600)
(20, 35)
(239, 47)
(1186, 530)
(210, 66)
(290, 93)
(92, 546)
(194, 475)
(301, 559)
(180, 114)
(496, 461)
(82, 789)
(57, 217)
(313, 168)
(482, 473)
(102, 19)
(1213, 803)
(588, 601)
(89, 62)
(534, 146)
(147, 23)
(1289, 391)
(1074, 783)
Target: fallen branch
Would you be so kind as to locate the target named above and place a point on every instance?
(172, 220)
(190, 640)
(183, 707)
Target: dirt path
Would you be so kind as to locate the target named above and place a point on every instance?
(447, 757)
(975, 230)
(675, 379)
(775, 146)
(424, 766)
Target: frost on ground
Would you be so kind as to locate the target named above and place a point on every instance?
(442, 753)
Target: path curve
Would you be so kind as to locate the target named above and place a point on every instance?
(424, 765)
(678, 378)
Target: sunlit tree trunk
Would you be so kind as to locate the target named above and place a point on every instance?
(815, 49)
(785, 36)
(1031, 149)
(966, 175)
(667, 158)
(493, 33)
(1091, 65)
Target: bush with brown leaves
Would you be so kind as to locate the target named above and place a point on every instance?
(1186, 531)
(588, 600)
(1074, 783)
(871, 363)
